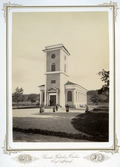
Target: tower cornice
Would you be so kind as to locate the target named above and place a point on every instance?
(55, 72)
(55, 47)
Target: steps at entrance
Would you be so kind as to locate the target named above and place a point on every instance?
(50, 107)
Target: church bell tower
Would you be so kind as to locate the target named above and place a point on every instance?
(56, 74)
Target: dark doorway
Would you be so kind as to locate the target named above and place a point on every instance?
(53, 100)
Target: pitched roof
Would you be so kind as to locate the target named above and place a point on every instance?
(72, 83)
(41, 85)
(53, 89)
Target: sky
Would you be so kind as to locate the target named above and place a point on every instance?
(84, 34)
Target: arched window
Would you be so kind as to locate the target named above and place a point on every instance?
(53, 67)
(69, 96)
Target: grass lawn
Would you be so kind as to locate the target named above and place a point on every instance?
(51, 124)
(94, 123)
(92, 126)
(29, 137)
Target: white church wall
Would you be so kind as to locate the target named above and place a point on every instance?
(56, 60)
(79, 95)
(63, 77)
(63, 61)
(55, 77)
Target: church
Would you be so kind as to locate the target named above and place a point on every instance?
(57, 88)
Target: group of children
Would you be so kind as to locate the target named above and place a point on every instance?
(55, 108)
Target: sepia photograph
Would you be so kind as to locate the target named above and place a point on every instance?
(60, 76)
(60, 83)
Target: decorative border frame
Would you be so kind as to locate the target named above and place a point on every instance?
(95, 157)
(8, 5)
(112, 5)
(115, 5)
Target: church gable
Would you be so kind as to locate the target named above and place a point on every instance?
(70, 83)
(53, 90)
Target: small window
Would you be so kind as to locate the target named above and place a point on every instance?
(53, 81)
(64, 57)
(53, 56)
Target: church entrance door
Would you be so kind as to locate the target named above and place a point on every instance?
(53, 100)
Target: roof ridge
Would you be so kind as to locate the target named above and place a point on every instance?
(55, 46)
(60, 44)
(69, 82)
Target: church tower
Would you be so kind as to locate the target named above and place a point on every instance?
(56, 74)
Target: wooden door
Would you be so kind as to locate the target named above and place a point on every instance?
(53, 100)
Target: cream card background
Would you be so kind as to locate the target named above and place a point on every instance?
(38, 157)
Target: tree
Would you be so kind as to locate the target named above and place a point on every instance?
(32, 98)
(94, 100)
(94, 97)
(105, 87)
(17, 96)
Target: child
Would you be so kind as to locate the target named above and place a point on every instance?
(41, 109)
(56, 107)
(67, 108)
(53, 108)
(86, 109)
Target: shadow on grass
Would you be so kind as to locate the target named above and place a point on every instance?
(95, 124)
